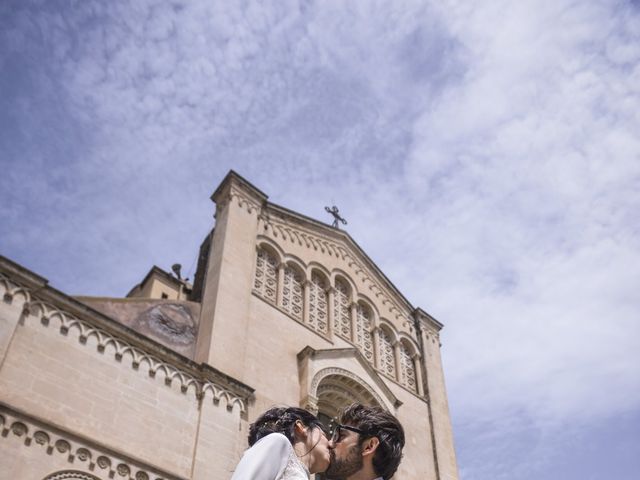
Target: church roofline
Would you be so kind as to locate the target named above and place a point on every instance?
(326, 228)
(232, 175)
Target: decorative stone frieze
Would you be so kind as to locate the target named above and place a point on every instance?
(244, 201)
(192, 379)
(235, 188)
(32, 433)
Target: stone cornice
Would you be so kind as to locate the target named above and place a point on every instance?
(47, 304)
(235, 187)
(426, 322)
(81, 453)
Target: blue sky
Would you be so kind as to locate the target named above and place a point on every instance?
(485, 154)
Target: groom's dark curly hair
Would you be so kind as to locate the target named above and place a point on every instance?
(377, 422)
(281, 420)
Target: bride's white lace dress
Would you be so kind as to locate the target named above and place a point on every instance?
(271, 458)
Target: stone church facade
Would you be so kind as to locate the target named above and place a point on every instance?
(163, 384)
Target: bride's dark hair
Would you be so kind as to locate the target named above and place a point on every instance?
(281, 420)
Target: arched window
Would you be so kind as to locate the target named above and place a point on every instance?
(385, 348)
(407, 370)
(363, 331)
(342, 318)
(318, 303)
(292, 292)
(266, 279)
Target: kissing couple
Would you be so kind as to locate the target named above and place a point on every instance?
(289, 443)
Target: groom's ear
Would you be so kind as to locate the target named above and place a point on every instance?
(369, 446)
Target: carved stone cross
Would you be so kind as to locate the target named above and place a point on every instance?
(336, 216)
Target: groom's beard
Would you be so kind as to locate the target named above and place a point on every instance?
(341, 468)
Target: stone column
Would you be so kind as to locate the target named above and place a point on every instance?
(354, 320)
(396, 357)
(330, 311)
(375, 333)
(417, 368)
(306, 285)
(280, 290)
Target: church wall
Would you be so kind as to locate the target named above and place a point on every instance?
(418, 451)
(50, 377)
(221, 440)
(273, 341)
(19, 461)
(440, 408)
(156, 287)
(8, 322)
(75, 388)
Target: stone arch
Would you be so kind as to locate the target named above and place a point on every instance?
(344, 276)
(318, 267)
(296, 262)
(265, 242)
(409, 343)
(389, 328)
(335, 388)
(371, 304)
(70, 475)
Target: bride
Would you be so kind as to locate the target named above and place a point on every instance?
(286, 443)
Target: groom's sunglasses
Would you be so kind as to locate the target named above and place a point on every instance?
(337, 435)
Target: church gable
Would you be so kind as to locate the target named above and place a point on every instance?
(319, 277)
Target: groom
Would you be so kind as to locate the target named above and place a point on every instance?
(366, 445)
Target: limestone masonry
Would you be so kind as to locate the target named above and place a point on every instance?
(163, 384)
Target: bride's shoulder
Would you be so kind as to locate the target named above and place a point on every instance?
(274, 441)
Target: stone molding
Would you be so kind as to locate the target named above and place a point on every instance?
(234, 187)
(243, 201)
(82, 454)
(199, 380)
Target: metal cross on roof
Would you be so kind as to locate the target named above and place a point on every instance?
(336, 216)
